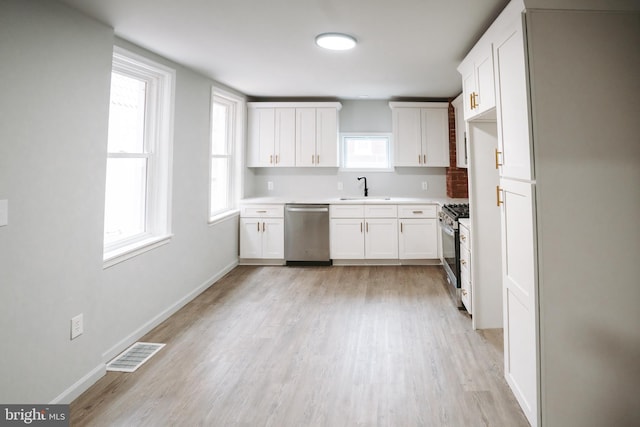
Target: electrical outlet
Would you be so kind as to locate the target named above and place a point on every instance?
(425, 185)
(340, 187)
(77, 327)
(270, 185)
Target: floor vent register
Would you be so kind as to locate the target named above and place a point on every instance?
(133, 357)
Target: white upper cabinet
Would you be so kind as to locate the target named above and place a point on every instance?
(283, 134)
(461, 133)
(317, 136)
(477, 81)
(271, 137)
(514, 146)
(420, 133)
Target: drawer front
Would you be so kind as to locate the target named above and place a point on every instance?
(465, 238)
(417, 211)
(465, 295)
(380, 211)
(347, 211)
(262, 211)
(465, 260)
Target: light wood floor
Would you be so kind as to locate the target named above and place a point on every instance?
(313, 346)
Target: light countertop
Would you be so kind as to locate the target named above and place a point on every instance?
(372, 200)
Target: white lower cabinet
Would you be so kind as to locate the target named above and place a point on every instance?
(262, 234)
(465, 268)
(418, 232)
(364, 232)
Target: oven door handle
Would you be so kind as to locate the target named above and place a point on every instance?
(447, 230)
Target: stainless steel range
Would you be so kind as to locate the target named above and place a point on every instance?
(449, 216)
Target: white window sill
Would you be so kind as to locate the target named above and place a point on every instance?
(119, 255)
(217, 219)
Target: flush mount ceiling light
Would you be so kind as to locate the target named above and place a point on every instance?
(335, 41)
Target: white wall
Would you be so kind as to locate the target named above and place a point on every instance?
(54, 86)
(355, 116)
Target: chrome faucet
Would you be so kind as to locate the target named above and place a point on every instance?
(366, 189)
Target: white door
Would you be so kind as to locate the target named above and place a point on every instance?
(250, 238)
(418, 238)
(347, 238)
(285, 137)
(272, 238)
(519, 294)
(381, 238)
(327, 137)
(305, 136)
(407, 136)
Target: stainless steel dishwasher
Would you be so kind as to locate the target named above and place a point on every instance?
(306, 234)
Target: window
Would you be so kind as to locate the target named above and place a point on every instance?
(137, 199)
(366, 151)
(226, 131)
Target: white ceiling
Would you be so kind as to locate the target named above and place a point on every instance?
(265, 48)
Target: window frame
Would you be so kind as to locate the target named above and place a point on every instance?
(235, 135)
(157, 149)
(343, 151)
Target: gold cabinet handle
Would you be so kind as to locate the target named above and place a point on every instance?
(401, 227)
(463, 237)
(419, 159)
(463, 262)
(277, 159)
(498, 201)
(424, 157)
(258, 227)
(366, 226)
(417, 212)
(313, 159)
(471, 101)
(263, 227)
(318, 159)
(498, 153)
(361, 227)
(464, 292)
(271, 159)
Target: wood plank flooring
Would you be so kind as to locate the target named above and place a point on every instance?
(313, 346)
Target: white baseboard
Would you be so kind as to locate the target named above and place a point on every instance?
(164, 315)
(81, 385)
(99, 371)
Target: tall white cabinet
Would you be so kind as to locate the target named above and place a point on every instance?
(565, 76)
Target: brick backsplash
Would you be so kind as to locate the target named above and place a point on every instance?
(457, 183)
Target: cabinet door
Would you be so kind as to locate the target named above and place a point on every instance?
(347, 238)
(519, 295)
(306, 137)
(381, 238)
(285, 137)
(272, 238)
(468, 89)
(250, 238)
(435, 136)
(513, 116)
(486, 98)
(407, 136)
(461, 133)
(261, 124)
(418, 239)
(327, 137)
